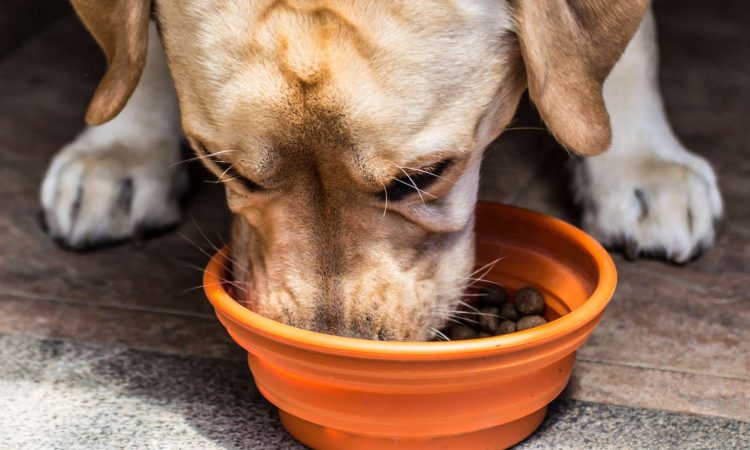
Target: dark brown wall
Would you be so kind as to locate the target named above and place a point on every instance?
(20, 19)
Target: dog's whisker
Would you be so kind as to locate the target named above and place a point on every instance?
(484, 266)
(221, 239)
(525, 129)
(235, 264)
(480, 278)
(466, 305)
(413, 184)
(230, 167)
(225, 281)
(439, 334)
(419, 191)
(451, 319)
(200, 230)
(198, 247)
(201, 286)
(222, 181)
(450, 316)
(485, 281)
(199, 157)
(385, 191)
(430, 173)
(474, 313)
(485, 273)
(202, 250)
(201, 270)
(187, 265)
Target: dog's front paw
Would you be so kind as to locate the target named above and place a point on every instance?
(94, 195)
(650, 207)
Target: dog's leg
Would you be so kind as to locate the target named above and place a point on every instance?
(119, 179)
(647, 193)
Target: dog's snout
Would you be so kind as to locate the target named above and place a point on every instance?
(328, 318)
(331, 318)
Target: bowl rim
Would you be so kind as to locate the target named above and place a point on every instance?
(590, 309)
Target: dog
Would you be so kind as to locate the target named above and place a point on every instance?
(349, 136)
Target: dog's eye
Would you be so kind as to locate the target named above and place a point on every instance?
(223, 170)
(415, 181)
(227, 174)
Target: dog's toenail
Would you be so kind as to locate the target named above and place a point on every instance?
(125, 195)
(42, 220)
(642, 203)
(630, 250)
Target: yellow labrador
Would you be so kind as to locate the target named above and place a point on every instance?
(349, 136)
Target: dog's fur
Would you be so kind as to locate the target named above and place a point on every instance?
(313, 111)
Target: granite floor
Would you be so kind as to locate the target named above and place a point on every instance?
(108, 349)
(64, 394)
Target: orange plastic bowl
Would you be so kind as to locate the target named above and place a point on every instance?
(344, 393)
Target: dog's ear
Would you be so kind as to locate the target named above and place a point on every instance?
(569, 47)
(120, 27)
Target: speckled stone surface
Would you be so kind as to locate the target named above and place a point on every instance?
(573, 424)
(63, 394)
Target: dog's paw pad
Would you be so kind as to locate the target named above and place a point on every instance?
(657, 209)
(90, 198)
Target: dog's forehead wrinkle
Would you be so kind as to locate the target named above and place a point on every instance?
(219, 29)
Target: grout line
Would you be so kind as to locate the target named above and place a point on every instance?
(170, 311)
(663, 369)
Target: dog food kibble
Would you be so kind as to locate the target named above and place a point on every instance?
(499, 314)
(506, 327)
(493, 296)
(489, 320)
(461, 332)
(526, 322)
(529, 301)
(508, 312)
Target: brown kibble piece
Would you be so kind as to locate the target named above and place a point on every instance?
(461, 332)
(488, 320)
(529, 301)
(493, 296)
(508, 312)
(485, 335)
(506, 327)
(526, 322)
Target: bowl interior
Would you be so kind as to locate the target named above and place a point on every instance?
(523, 250)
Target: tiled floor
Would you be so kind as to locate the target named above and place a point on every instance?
(674, 338)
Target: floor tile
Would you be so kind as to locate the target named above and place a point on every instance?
(669, 390)
(166, 332)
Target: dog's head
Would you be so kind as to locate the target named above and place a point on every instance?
(349, 134)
